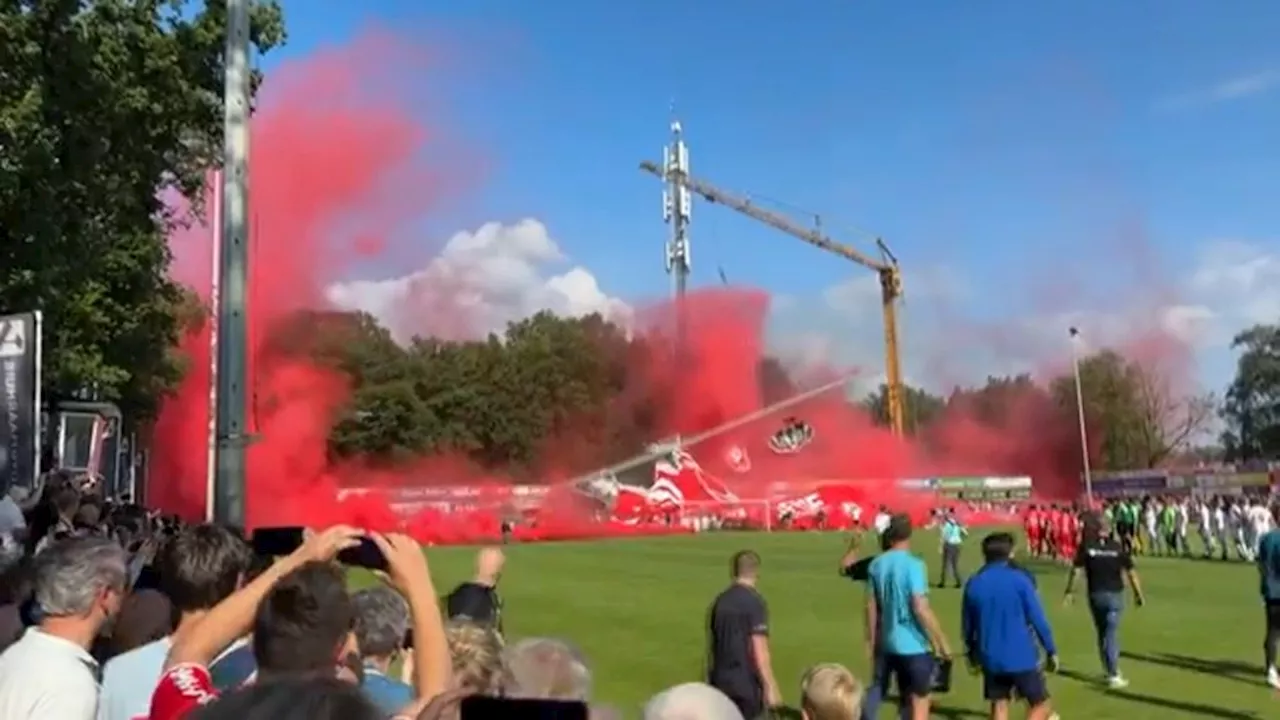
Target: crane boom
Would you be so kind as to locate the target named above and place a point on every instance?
(886, 270)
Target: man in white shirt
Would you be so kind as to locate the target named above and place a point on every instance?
(199, 568)
(49, 673)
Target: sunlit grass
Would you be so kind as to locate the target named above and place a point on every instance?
(637, 607)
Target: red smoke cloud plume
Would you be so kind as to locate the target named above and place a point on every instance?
(336, 171)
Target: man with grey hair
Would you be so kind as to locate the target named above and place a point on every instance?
(382, 622)
(79, 586)
(547, 669)
(691, 701)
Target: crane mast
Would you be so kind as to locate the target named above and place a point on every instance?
(676, 212)
(885, 267)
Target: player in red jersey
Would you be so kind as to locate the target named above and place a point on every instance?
(1071, 539)
(1031, 525)
(1064, 530)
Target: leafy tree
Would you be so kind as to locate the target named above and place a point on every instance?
(1134, 415)
(998, 402)
(920, 407)
(103, 107)
(1252, 406)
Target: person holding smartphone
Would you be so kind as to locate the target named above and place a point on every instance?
(186, 683)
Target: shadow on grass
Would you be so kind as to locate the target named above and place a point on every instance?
(1042, 567)
(942, 711)
(1234, 669)
(937, 710)
(1206, 711)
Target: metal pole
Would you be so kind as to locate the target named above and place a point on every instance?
(1084, 431)
(233, 271)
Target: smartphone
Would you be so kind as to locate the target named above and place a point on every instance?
(277, 541)
(366, 555)
(480, 707)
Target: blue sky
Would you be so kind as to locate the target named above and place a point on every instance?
(999, 147)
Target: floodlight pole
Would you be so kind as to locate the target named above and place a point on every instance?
(1084, 430)
(233, 258)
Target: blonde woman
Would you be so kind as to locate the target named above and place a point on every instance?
(476, 650)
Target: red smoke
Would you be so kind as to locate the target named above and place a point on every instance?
(336, 172)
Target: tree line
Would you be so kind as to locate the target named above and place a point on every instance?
(104, 105)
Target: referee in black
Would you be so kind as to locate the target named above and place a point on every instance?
(738, 660)
(1106, 565)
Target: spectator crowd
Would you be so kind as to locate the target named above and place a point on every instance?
(111, 612)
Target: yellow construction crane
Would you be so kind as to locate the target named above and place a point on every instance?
(886, 269)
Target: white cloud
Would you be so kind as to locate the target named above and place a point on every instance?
(480, 281)
(1230, 89)
(499, 273)
(1240, 278)
(943, 342)
(861, 294)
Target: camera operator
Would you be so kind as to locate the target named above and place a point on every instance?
(197, 569)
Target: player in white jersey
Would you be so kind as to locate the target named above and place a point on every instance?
(1259, 524)
(1181, 521)
(1204, 514)
(881, 522)
(1239, 528)
(1219, 525)
(1150, 537)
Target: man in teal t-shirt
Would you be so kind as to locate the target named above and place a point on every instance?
(1269, 576)
(901, 626)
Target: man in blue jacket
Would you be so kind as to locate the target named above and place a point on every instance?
(1004, 627)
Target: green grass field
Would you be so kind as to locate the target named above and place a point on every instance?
(637, 606)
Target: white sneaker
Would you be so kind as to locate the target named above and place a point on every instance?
(1273, 678)
(1117, 682)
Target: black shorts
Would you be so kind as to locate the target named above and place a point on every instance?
(1028, 685)
(1273, 616)
(913, 674)
(1124, 529)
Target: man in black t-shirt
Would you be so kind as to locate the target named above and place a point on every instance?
(1106, 565)
(478, 600)
(738, 662)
